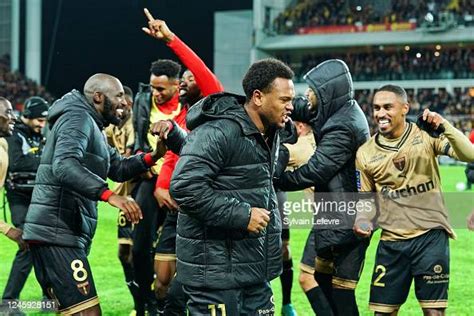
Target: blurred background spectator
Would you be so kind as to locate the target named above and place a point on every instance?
(17, 88)
(314, 13)
(395, 63)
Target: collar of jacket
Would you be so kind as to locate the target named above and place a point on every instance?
(73, 101)
(169, 106)
(218, 106)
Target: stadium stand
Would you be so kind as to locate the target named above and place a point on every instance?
(310, 13)
(17, 88)
(395, 63)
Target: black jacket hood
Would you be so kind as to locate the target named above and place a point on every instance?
(332, 83)
(73, 101)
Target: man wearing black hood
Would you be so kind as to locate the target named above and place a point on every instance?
(71, 178)
(340, 128)
(228, 242)
(24, 151)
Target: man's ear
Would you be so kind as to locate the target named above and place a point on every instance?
(98, 98)
(258, 97)
(406, 108)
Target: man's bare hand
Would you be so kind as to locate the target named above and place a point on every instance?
(157, 28)
(432, 118)
(164, 199)
(259, 218)
(147, 175)
(470, 221)
(128, 206)
(161, 128)
(363, 228)
(160, 149)
(15, 235)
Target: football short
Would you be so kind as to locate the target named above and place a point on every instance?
(424, 258)
(250, 300)
(166, 247)
(308, 260)
(65, 275)
(124, 230)
(345, 262)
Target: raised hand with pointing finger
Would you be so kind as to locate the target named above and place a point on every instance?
(157, 28)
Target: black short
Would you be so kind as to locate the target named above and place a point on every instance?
(308, 260)
(125, 229)
(424, 258)
(166, 246)
(344, 262)
(250, 300)
(64, 274)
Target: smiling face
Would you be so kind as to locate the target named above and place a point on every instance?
(7, 118)
(163, 88)
(36, 124)
(390, 111)
(188, 89)
(274, 106)
(114, 103)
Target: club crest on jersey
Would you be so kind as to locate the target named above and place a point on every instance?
(84, 288)
(399, 163)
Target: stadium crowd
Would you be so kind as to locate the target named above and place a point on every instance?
(310, 13)
(16, 87)
(401, 64)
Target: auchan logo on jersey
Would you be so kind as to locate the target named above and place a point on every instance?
(407, 191)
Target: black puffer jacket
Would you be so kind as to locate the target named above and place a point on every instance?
(72, 175)
(340, 128)
(141, 119)
(225, 168)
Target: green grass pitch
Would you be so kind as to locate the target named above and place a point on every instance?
(115, 298)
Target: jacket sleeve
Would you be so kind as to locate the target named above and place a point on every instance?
(123, 169)
(68, 159)
(336, 148)
(301, 112)
(202, 158)
(142, 100)
(176, 138)
(20, 161)
(205, 79)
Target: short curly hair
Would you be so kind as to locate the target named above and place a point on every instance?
(166, 67)
(262, 73)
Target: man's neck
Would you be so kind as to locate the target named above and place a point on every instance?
(399, 132)
(255, 118)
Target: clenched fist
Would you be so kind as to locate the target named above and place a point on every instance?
(259, 218)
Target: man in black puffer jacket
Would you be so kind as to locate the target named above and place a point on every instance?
(340, 128)
(228, 242)
(71, 178)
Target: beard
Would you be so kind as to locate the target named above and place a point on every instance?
(109, 113)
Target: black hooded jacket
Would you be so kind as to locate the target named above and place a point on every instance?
(25, 147)
(225, 168)
(72, 175)
(340, 128)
